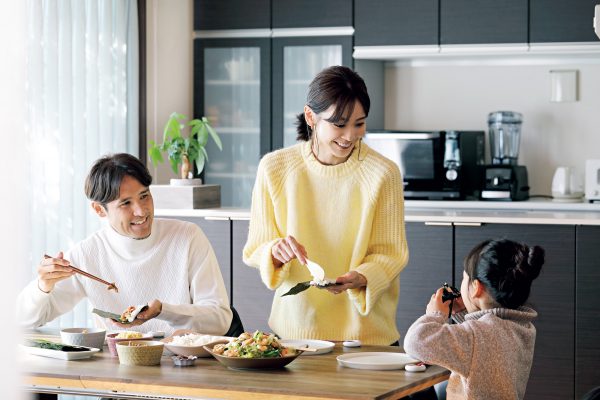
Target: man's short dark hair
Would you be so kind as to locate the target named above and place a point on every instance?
(104, 180)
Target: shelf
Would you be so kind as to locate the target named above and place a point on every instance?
(228, 82)
(230, 130)
(231, 175)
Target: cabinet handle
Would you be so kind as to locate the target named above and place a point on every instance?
(216, 218)
(468, 224)
(433, 223)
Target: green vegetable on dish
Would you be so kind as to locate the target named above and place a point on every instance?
(46, 344)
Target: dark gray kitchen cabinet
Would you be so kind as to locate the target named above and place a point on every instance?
(483, 21)
(562, 20)
(396, 22)
(218, 233)
(587, 314)
(552, 295)
(429, 266)
(311, 13)
(232, 14)
(251, 298)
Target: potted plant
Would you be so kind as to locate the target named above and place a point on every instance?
(183, 152)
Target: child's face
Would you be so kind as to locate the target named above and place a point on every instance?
(465, 291)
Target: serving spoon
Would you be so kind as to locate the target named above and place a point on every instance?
(111, 286)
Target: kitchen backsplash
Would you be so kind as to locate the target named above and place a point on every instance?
(460, 97)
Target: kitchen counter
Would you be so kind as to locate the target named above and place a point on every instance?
(459, 212)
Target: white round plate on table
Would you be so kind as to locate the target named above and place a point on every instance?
(375, 360)
(322, 346)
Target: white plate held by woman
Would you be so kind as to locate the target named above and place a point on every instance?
(375, 360)
(322, 346)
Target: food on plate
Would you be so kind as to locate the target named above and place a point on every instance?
(254, 345)
(46, 344)
(129, 335)
(192, 339)
(126, 315)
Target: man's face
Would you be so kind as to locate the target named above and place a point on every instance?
(132, 213)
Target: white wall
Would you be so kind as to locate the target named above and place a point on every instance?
(169, 47)
(460, 97)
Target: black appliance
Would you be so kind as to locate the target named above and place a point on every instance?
(504, 179)
(435, 165)
(505, 182)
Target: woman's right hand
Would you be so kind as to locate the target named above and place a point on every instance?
(287, 249)
(51, 271)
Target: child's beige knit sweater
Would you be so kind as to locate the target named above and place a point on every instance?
(489, 354)
(348, 217)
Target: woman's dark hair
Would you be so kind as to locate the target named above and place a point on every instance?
(506, 268)
(334, 85)
(104, 180)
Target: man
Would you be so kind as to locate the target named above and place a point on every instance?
(167, 264)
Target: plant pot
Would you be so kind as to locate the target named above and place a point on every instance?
(175, 196)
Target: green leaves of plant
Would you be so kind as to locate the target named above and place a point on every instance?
(176, 145)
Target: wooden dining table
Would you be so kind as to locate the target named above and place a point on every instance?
(307, 377)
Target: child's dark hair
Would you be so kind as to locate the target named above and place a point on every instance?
(334, 85)
(506, 269)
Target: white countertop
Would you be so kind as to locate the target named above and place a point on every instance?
(459, 212)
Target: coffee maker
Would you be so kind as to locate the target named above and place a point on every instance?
(504, 179)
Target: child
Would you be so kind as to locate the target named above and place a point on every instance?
(490, 350)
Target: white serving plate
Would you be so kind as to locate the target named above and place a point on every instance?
(322, 346)
(63, 355)
(376, 360)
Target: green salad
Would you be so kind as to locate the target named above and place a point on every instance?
(254, 345)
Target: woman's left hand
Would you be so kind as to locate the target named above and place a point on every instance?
(350, 280)
(436, 303)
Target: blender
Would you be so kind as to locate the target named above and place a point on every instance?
(504, 179)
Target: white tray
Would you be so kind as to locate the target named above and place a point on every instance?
(375, 360)
(63, 355)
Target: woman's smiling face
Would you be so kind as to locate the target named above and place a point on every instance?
(333, 142)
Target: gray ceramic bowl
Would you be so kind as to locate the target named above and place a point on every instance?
(88, 337)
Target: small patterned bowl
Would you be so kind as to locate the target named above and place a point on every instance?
(112, 340)
(140, 352)
(88, 337)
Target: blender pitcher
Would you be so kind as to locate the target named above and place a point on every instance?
(504, 135)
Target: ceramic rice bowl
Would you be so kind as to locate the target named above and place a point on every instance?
(112, 340)
(140, 352)
(88, 337)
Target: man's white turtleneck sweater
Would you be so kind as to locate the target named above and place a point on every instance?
(175, 264)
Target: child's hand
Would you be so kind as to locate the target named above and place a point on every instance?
(436, 304)
(459, 306)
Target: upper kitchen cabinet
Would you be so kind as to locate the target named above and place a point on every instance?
(562, 21)
(396, 22)
(232, 14)
(232, 89)
(483, 21)
(311, 13)
(296, 61)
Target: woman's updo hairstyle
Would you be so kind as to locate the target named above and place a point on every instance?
(506, 268)
(334, 85)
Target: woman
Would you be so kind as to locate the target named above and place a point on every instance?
(333, 200)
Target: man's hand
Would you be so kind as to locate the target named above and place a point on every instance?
(53, 270)
(350, 280)
(153, 310)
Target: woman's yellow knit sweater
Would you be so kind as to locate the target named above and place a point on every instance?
(348, 216)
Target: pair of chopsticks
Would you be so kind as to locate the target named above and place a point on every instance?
(111, 286)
